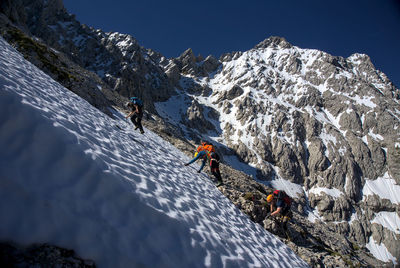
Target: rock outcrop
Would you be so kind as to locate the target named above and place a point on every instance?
(40, 255)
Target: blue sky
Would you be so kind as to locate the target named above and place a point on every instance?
(340, 27)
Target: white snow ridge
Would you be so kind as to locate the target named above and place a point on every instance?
(70, 178)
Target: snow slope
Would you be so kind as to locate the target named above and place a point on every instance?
(69, 177)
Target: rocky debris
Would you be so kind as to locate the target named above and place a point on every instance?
(40, 255)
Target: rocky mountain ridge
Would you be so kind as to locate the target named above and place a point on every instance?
(325, 123)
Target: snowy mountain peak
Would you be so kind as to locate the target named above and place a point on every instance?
(275, 42)
(126, 43)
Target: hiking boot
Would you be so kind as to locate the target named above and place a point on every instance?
(220, 183)
(141, 131)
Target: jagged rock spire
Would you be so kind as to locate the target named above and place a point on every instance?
(274, 41)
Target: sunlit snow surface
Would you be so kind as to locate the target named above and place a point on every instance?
(380, 251)
(385, 187)
(69, 177)
(389, 220)
(335, 193)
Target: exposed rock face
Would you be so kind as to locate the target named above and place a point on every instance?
(233, 93)
(195, 117)
(40, 256)
(210, 64)
(329, 124)
(189, 64)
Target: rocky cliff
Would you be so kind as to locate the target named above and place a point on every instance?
(324, 128)
(328, 124)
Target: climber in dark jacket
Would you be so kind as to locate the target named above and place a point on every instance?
(136, 114)
(280, 204)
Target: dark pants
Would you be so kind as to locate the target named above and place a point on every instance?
(217, 174)
(285, 210)
(214, 166)
(286, 216)
(137, 121)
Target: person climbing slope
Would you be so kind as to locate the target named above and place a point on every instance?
(206, 152)
(280, 204)
(203, 152)
(136, 114)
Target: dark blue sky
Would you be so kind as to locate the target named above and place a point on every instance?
(340, 27)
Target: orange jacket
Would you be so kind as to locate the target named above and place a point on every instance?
(207, 148)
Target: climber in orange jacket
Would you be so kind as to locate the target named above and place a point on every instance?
(203, 152)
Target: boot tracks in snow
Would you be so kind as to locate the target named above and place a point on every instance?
(129, 135)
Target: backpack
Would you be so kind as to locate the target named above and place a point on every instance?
(137, 101)
(215, 156)
(214, 160)
(282, 195)
(208, 148)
